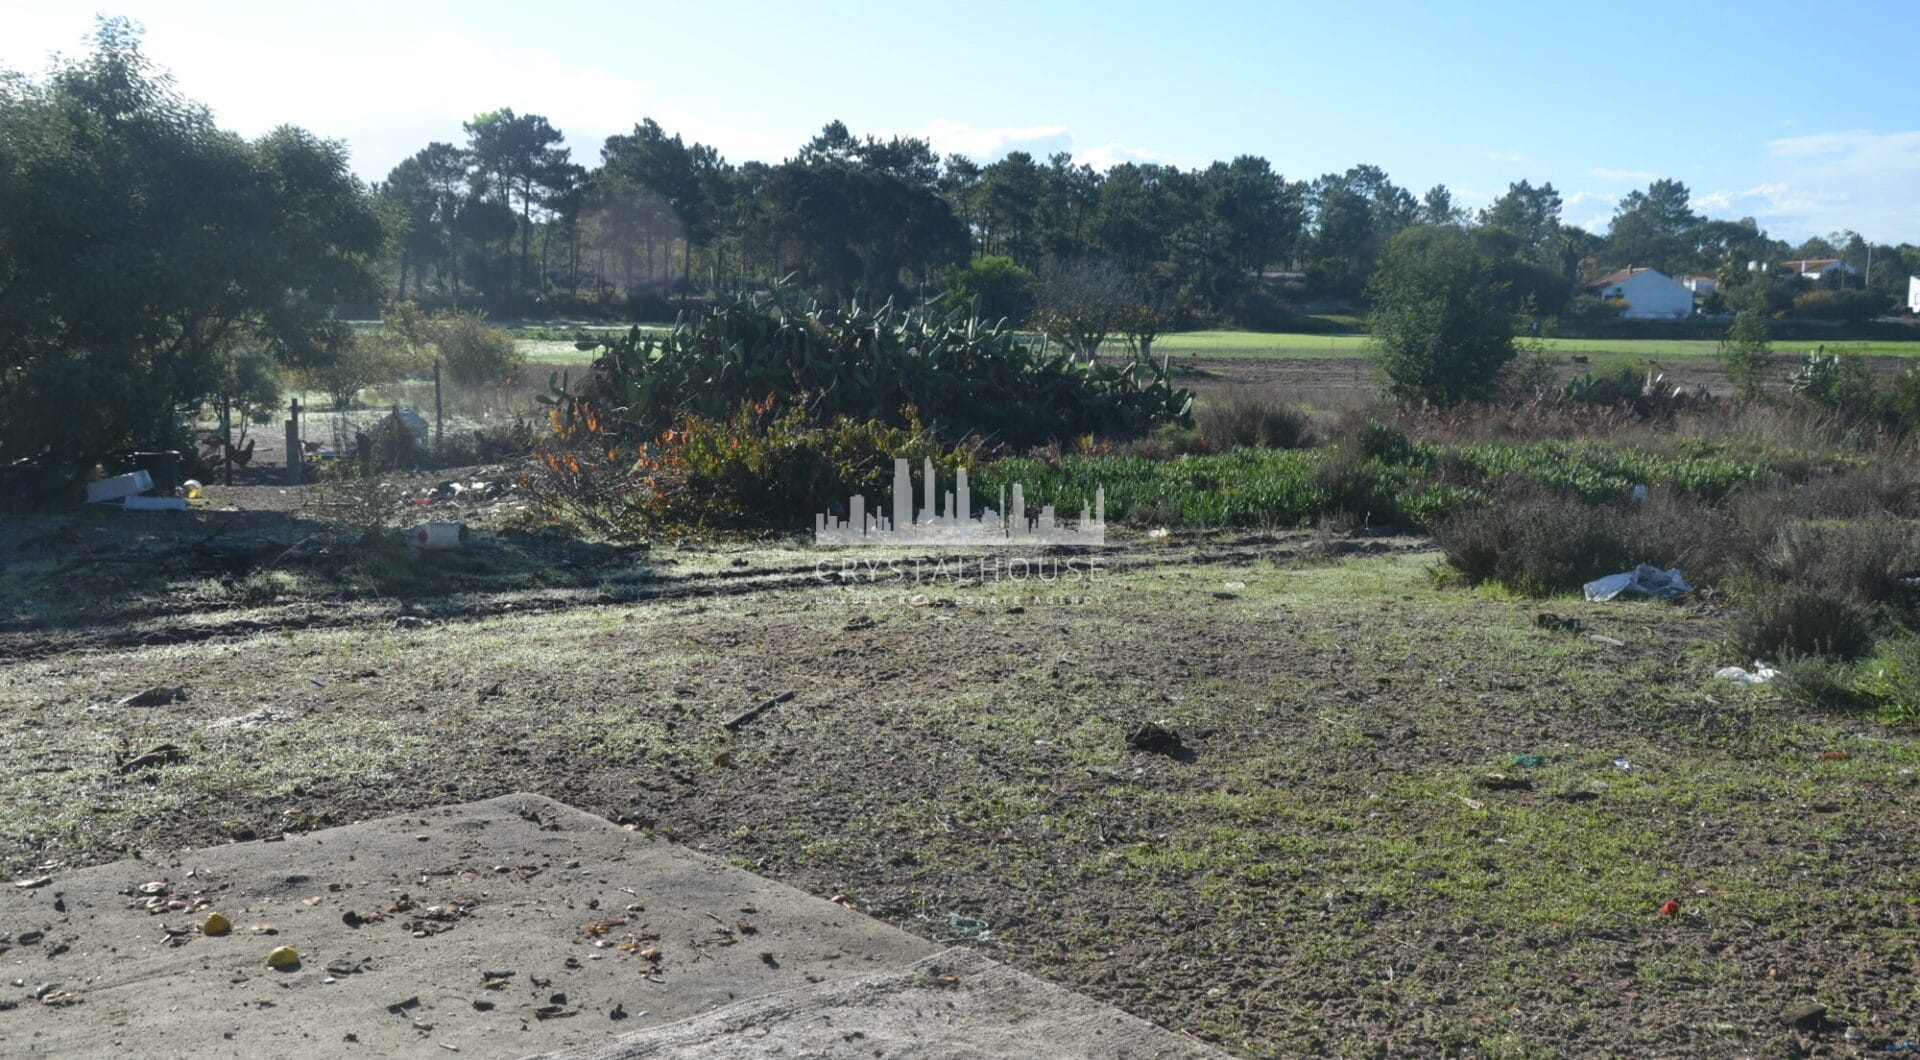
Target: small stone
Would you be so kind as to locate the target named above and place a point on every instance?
(1804, 1014)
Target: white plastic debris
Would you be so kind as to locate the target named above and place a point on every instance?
(1639, 493)
(434, 536)
(112, 489)
(1759, 675)
(1644, 580)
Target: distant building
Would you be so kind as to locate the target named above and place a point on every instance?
(1814, 268)
(1649, 293)
(1913, 294)
(1701, 286)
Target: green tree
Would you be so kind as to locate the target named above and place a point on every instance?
(993, 287)
(1530, 214)
(1747, 352)
(517, 161)
(141, 241)
(1354, 214)
(1443, 322)
(1009, 197)
(358, 360)
(1651, 228)
(1437, 207)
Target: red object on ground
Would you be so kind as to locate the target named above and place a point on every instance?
(1670, 908)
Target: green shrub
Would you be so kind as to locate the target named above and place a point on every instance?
(1374, 440)
(1848, 305)
(1840, 381)
(757, 470)
(1251, 421)
(1797, 621)
(1536, 543)
(962, 377)
(992, 287)
(473, 353)
(1747, 353)
(1820, 683)
(1891, 679)
(1862, 560)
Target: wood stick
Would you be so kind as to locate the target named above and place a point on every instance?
(736, 723)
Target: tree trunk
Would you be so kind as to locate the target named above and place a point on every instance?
(526, 237)
(546, 241)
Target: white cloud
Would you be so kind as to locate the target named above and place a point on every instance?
(991, 145)
(1821, 182)
(1624, 174)
(1590, 210)
(1849, 144)
(405, 91)
(1109, 155)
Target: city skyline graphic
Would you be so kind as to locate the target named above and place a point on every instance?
(953, 523)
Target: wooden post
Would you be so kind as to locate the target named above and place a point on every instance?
(226, 434)
(294, 449)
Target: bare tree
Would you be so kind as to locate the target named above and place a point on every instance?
(1082, 301)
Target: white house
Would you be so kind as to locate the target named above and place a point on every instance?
(1913, 294)
(1649, 293)
(1701, 286)
(1814, 268)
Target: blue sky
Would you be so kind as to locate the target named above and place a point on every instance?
(1801, 115)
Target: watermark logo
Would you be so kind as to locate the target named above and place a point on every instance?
(953, 524)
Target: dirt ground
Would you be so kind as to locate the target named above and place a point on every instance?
(1379, 817)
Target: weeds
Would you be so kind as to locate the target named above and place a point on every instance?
(1796, 621)
(1243, 421)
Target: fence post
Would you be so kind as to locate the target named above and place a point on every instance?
(296, 453)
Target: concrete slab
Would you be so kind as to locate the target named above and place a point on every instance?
(511, 927)
(957, 1005)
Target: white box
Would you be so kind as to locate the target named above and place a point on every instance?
(112, 489)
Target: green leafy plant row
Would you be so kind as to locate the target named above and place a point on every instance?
(961, 375)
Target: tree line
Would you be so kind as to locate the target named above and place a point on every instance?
(508, 221)
(152, 263)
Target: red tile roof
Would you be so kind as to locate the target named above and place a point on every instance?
(1621, 276)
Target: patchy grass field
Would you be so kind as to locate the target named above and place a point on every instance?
(1323, 869)
(1253, 344)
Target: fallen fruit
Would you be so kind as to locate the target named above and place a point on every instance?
(284, 957)
(1670, 908)
(216, 925)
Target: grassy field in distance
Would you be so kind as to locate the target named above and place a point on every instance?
(1266, 345)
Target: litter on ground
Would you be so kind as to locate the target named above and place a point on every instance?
(1644, 580)
(1760, 674)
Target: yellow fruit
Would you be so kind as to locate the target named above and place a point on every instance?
(284, 957)
(216, 925)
